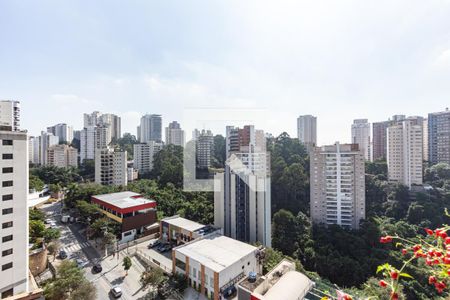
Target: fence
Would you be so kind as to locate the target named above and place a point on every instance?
(149, 237)
(152, 262)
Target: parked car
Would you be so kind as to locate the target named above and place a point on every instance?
(80, 263)
(52, 224)
(97, 268)
(48, 221)
(161, 247)
(62, 254)
(116, 292)
(154, 243)
(167, 248)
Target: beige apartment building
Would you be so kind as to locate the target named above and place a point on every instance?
(338, 185)
(405, 152)
(62, 156)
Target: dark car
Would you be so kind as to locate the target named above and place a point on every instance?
(166, 248)
(62, 254)
(97, 268)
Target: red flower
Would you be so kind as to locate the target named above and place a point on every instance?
(443, 234)
(404, 251)
(432, 280)
(447, 240)
(440, 286)
(416, 248)
(383, 283)
(386, 239)
(347, 297)
(429, 231)
(394, 275)
(394, 296)
(446, 260)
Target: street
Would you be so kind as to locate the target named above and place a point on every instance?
(77, 247)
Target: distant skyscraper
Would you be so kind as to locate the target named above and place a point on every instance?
(379, 149)
(111, 167)
(439, 137)
(114, 123)
(337, 185)
(143, 156)
(307, 131)
(204, 146)
(150, 128)
(13, 192)
(174, 134)
(425, 140)
(87, 143)
(242, 198)
(62, 131)
(361, 136)
(91, 119)
(405, 152)
(46, 140)
(102, 136)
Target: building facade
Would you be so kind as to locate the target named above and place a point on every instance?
(150, 128)
(204, 146)
(62, 156)
(242, 193)
(114, 123)
(14, 206)
(307, 131)
(361, 136)
(337, 185)
(87, 143)
(46, 141)
(62, 131)
(405, 152)
(439, 137)
(379, 149)
(111, 167)
(144, 154)
(174, 134)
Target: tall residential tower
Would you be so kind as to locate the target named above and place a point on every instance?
(307, 131)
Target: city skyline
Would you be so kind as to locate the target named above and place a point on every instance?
(245, 58)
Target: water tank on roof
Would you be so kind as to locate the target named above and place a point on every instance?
(252, 276)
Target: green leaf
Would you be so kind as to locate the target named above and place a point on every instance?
(406, 275)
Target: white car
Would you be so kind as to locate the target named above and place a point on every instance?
(116, 292)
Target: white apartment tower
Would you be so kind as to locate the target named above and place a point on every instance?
(174, 134)
(361, 136)
(307, 131)
(242, 195)
(143, 156)
(111, 167)
(204, 145)
(14, 206)
(405, 152)
(46, 141)
(62, 131)
(87, 143)
(114, 124)
(62, 156)
(337, 185)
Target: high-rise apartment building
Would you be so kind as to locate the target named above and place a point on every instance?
(425, 139)
(114, 123)
(150, 128)
(91, 119)
(62, 131)
(361, 136)
(204, 146)
(405, 152)
(307, 131)
(14, 206)
(87, 143)
(439, 137)
(242, 195)
(111, 167)
(102, 136)
(46, 140)
(174, 134)
(337, 185)
(9, 115)
(62, 156)
(143, 156)
(379, 149)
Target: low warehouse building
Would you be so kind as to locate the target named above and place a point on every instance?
(179, 230)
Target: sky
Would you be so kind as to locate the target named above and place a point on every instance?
(337, 60)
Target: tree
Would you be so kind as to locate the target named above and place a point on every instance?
(36, 229)
(36, 214)
(35, 183)
(70, 283)
(152, 276)
(219, 153)
(168, 166)
(53, 248)
(51, 234)
(86, 210)
(126, 263)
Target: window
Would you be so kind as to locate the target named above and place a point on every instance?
(7, 142)
(7, 156)
(7, 225)
(7, 197)
(7, 266)
(195, 273)
(7, 170)
(7, 238)
(7, 183)
(7, 252)
(8, 293)
(127, 233)
(7, 211)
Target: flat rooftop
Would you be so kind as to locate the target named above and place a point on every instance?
(216, 252)
(123, 199)
(183, 223)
